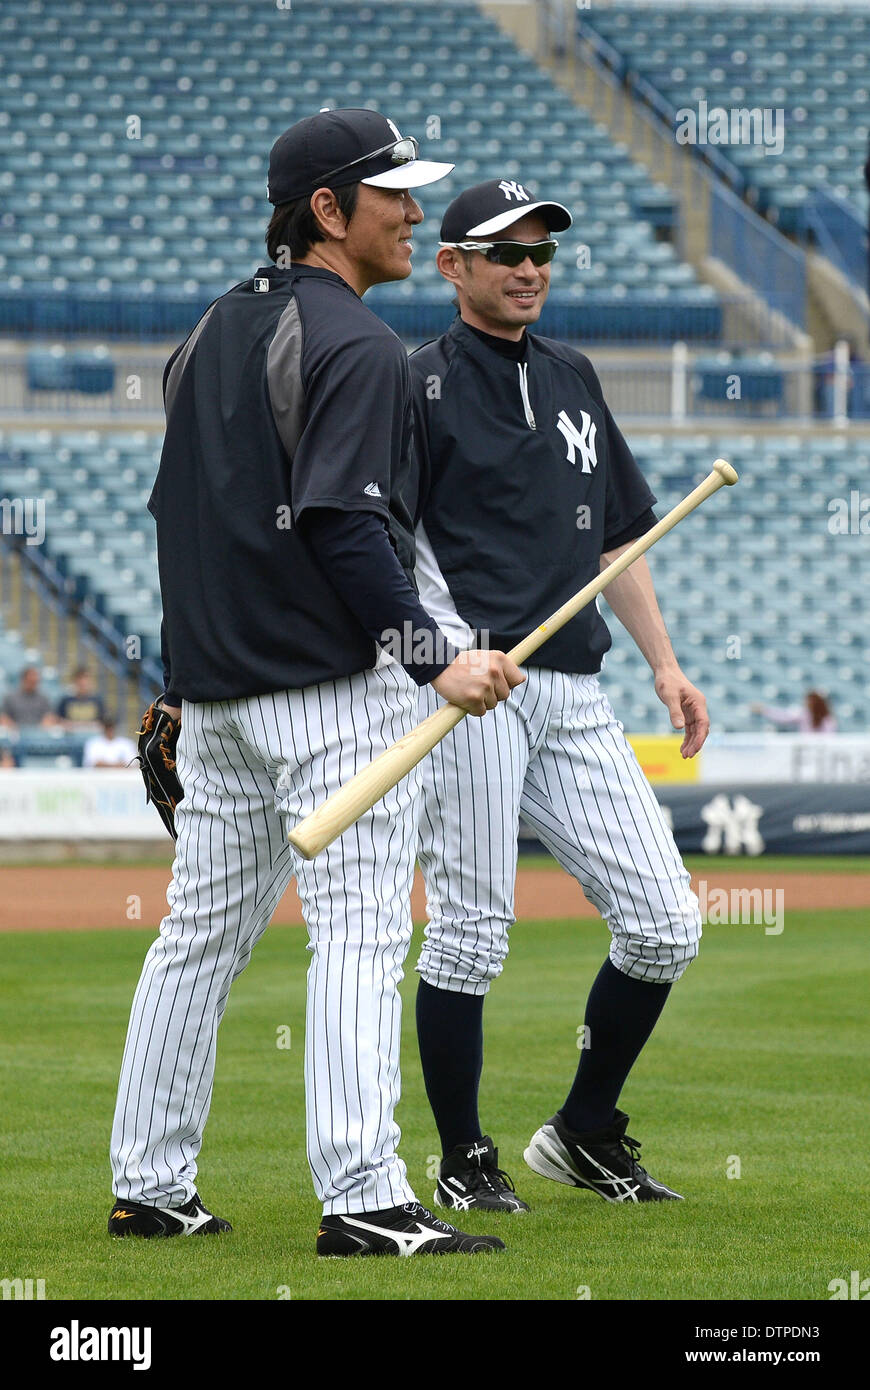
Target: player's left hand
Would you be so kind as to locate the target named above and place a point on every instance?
(686, 706)
(156, 741)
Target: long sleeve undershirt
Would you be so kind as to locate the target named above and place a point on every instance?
(355, 551)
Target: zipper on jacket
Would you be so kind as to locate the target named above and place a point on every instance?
(524, 392)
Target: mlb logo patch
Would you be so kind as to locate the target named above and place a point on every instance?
(261, 285)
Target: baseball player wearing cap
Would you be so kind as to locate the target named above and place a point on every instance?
(285, 550)
(527, 488)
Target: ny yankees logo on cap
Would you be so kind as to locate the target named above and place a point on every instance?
(511, 189)
(480, 211)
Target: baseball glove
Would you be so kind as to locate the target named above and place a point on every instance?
(156, 743)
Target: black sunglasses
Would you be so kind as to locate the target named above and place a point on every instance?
(510, 253)
(402, 151)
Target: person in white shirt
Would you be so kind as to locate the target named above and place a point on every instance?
(814, 718)
(108, 749)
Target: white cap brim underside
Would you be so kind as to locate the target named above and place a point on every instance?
(412, 175)
(505, 219)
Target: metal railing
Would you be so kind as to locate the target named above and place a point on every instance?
(737, 388)
(760, 255)
(839, 233)
(714, 221)
(745, 383)
(723, 167)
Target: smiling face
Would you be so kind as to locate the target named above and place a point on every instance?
(374, 246)
(379, 233)
(499, 299)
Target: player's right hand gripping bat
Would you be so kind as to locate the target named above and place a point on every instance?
(351, 801)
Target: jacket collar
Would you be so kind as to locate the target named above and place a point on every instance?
(462, 336)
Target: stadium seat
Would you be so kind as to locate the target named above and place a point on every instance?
(123, 264)
(819, 58)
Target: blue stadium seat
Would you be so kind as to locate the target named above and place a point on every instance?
(818, 59)
(199, 164)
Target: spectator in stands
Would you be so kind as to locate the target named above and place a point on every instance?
(27, 707)
(7, 757)
(108, 749)
(815, 717)
(84, 709)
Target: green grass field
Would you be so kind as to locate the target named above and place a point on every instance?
(761, 1055)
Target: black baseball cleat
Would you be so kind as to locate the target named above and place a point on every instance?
(604, 1160)
(134, 1219)
(470, 1178)
(406, 1230)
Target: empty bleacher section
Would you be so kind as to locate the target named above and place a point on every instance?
(136, 141)
(755, 565)
(806, 65)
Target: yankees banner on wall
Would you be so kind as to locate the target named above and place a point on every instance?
(775, 818)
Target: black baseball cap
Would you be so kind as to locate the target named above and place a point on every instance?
(490, 207)
(348, 145)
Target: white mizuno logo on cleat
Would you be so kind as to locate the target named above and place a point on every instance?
(191, 1223)
(409, 1242)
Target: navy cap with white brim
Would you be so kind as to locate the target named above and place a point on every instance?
(336, 148)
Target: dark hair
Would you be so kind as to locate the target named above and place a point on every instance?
(819, 709)
(293, 226)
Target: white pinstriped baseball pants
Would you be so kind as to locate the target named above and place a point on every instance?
(555, 755)
(247, 766)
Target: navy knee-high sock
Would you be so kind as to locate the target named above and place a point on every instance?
(450, 1037)
(620, 1015)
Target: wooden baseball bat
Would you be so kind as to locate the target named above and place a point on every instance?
(358, 795)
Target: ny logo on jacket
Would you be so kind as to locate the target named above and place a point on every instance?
(582, 439)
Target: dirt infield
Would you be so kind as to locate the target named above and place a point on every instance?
(76, 897)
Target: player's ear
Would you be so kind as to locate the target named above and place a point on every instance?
(449, 262)
(328, 214)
